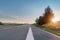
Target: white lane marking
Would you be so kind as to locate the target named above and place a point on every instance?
(30, 35)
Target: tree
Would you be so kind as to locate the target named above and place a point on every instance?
(1, 23)
(39, 20)
(46, 18)
(48, 15)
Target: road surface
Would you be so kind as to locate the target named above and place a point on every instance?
(20, 33)
(43, 35)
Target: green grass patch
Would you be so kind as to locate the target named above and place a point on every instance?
(11, 24)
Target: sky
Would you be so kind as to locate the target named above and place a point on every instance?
(26, 11)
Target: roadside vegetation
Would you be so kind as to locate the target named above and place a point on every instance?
(9, 24)
(54, 31)
(48, 23)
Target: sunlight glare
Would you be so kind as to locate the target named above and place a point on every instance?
(54, 20)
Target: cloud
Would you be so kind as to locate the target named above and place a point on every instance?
(15, 20)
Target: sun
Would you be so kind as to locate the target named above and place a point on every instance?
(54, 20)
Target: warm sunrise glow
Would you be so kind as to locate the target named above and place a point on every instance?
(54, 20)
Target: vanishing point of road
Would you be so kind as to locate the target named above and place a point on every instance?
(21, 33)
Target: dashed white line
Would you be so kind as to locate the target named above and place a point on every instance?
(30, 35)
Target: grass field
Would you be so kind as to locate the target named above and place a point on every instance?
(49, 30)
(11, 24)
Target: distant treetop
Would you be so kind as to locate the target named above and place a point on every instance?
(48, 9)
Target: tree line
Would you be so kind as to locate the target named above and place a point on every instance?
(46, 18)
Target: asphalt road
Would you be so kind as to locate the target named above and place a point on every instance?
(20, 33)
(13, 32)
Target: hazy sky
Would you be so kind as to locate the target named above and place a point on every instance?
(26, 10)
